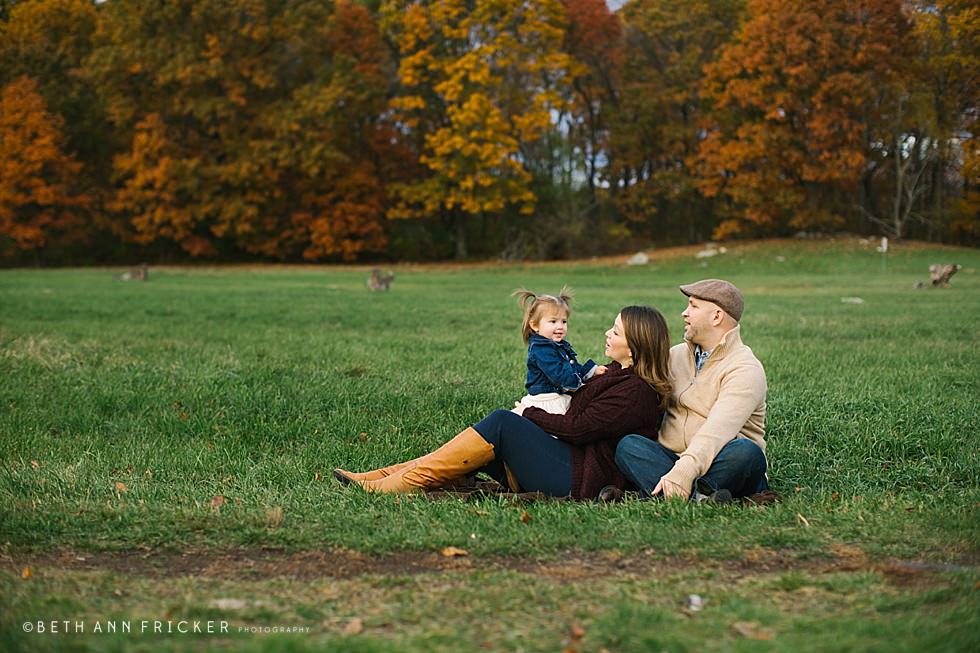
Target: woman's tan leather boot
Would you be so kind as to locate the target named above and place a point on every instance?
(347, 478)
(465, 453)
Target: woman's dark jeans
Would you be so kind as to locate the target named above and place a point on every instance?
(539, 461)
(740, 466)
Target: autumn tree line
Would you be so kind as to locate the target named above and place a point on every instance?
(340, 130)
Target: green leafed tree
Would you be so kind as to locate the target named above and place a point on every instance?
(248, 125)
(657, 123)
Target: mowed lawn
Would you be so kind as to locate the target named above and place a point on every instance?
(166, 449)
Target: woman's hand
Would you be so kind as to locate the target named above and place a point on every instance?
(600, 370)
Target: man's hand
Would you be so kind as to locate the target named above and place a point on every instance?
(600, 370)
(671, 490)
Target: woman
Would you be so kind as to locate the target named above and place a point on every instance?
(560, 455)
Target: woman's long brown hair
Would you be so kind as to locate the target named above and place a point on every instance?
(649, 341)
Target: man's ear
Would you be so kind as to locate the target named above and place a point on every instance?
(717, 317)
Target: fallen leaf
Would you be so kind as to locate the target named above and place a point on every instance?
(454, 552)
(803, 520)
(754, 554)
(217, 501)
(273, 516)
(26, 573)
(752, 630)
(354, 627)
(362, 437)
(35, 464)
(317, 477)
(121, 487)
(577, 631)
(525, 517)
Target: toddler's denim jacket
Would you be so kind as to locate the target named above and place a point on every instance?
(551, 367)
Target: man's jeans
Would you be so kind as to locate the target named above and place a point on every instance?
(740, 466)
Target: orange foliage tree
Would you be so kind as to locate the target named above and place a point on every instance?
(39, 207)
(966, 219)
(48, 40)
(477, 80)
(594, 40)
(796, 104)
(657, 122)
(247, 124)
(343, 209)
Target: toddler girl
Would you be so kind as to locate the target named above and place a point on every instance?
(552, 371)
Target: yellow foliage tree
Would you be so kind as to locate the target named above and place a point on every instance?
(949, 34)
(478, 79)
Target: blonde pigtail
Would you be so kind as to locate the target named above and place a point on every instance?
(534, 304)
(565, 295)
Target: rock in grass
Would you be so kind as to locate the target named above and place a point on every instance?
(694, 602)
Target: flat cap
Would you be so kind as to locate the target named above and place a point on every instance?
(719, 292)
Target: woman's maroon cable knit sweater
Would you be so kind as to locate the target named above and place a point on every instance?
(602, 411)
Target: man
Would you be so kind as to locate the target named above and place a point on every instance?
(712, 442)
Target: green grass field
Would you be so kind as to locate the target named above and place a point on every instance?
(126, 408)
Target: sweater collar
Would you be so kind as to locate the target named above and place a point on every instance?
(730, 341)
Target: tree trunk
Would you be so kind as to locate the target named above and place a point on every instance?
(937, 223)
(899, 190)
(459, 222)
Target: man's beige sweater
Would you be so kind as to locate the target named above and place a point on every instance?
(725, 400)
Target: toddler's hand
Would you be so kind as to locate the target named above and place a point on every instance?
(599, 370)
